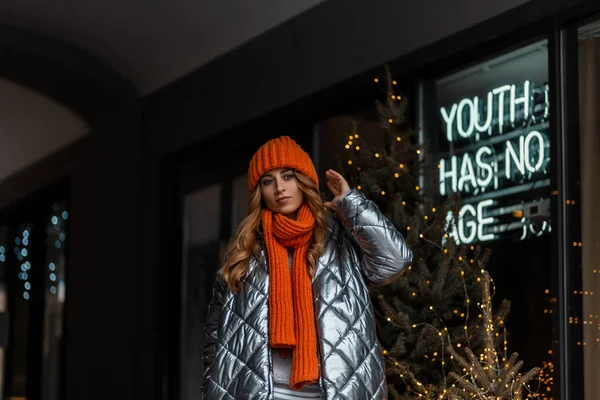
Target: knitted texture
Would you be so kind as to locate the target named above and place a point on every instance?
(291, 312)
(282, 152)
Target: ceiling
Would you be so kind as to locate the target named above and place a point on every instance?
(152, 42)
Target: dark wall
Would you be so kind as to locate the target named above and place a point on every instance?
(326, 45)
(103, 174)
(100, 297)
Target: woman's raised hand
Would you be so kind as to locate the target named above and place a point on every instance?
(336, 184)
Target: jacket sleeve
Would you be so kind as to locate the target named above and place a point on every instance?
(211, 328)
(385, 253)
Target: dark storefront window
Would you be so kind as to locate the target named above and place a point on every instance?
(488, 127)
(33, 241)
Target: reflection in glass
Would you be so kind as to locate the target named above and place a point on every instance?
(54, 300)
(3, 305)
(589, 244)
(19, 262)
(488, 127)
(240, 200)
(201, 247)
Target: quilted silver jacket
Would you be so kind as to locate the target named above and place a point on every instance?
(361, 245)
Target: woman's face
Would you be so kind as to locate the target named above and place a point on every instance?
(280, 192)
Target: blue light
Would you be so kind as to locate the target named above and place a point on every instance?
(27, 264)
(2, 258)
(24, 252)
(25, 233)
(27, 285)
(17, 250)
(24, 276)
(52, 277)
(57, 244)
(65, 215)
(62, 237)
(25, 242)
(26, 296)
(20, 257)
(2, 249)
(51, 266)
(17, 241)
(54, 220)
(23, 267)
(53, 289)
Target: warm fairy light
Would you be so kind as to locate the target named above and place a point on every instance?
(357, 147)
(350, 142)
(418, 151)
(356, 136)
(396, 175)
(433, 209)
(393, 97)
(398, 138)
(408, 228)
(390, 120)
(439, 166)
(417, 188)
(358, 187)
(349, 162)
(347, 146)
(403, 203)
(421, 235)
(394, 83)
(426, 217)
(376, 80)
(377, 155)
(383, 192)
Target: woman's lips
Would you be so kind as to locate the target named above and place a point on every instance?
(283, 200)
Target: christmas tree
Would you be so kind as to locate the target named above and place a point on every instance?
(431, 323)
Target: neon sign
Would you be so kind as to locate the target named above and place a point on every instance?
(498, 154)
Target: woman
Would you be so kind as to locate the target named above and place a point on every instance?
(290, 316)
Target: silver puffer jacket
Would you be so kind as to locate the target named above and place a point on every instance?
(361, 245)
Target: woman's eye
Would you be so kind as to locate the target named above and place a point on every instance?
(266, 182)
(288, 177)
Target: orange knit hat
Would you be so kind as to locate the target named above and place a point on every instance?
(282, 152)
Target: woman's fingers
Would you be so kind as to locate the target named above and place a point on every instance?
(333, 188)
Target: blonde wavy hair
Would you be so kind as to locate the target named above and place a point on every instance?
(247, 241)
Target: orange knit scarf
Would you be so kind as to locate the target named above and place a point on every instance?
(291, 313)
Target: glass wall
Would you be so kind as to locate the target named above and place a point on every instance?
(586, 208)
(201, 246)
(488, 126)
(33, 264)
(204, 236)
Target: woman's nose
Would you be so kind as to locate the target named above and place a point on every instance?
(279, 186)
